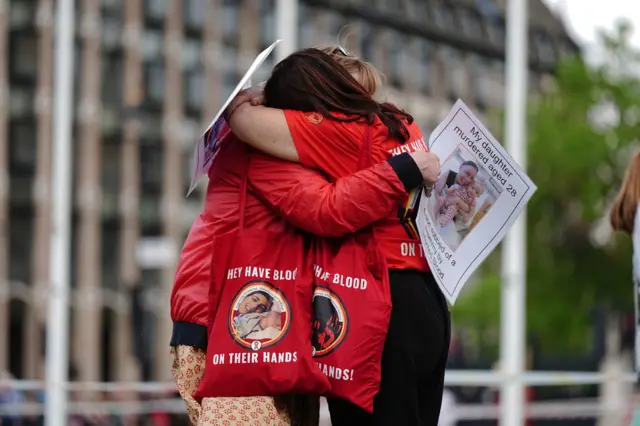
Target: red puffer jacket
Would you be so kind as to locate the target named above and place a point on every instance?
(279, 191)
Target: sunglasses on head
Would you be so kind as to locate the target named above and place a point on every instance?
(341, 50)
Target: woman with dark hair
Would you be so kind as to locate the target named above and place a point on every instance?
(316, 113)
(279, 194)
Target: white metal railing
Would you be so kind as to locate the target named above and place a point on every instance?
(572, 409)
(452, 378)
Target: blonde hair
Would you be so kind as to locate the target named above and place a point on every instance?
(623, 211)
(368, 76)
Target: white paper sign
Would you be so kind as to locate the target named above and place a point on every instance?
(205, 150)
(482, 193)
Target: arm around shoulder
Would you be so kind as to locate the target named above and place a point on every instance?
(265, 129)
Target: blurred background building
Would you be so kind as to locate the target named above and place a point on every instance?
(150, 75)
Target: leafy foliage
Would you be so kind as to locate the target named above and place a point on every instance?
(581, 135)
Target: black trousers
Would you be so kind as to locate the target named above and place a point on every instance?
(413, 361)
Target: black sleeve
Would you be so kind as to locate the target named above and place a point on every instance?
(407, 170)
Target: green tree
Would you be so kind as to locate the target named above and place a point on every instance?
(582, 133)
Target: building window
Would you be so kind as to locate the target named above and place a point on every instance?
(152, 43)
(398, 46)
(306, 30)
(194, 13)
(149, 211)
(471, 22)
(498, 71)
(22, 146)
(112, 79)
(20, 243)
(22, 14)
(425, 70)
(496, 30)
(444, 16)
(111, 33)
(24, 54)
(155, 82)
(367, 41)
(543, 47)
(337, 24)
(110, 242)
(155, 9)
(112, 5)
(110, 182)
(268, 29)
(229, 82)
(230, 20)
(21, 101)
(194, 90)
(191, 49)
(478, 69)
(150, 169)
(566, 48)
(453, 67)
(151, 130)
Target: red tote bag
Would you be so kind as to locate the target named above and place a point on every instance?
(352, 309)
(260, 315)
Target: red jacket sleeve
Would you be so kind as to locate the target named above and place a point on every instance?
(310, 202)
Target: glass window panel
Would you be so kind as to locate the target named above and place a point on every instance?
(20, 240)
(426, 66)
(306, 30)
(155, 8)
(229, 62)
(496, 31)
(23, 145)
(267, 25)
(366, 48)
(444, 16)
(21, 101)
(25, 55)
(150, 168)
(151, 130)
(112, 79)
(397, 56)
(230, 20)
(194, 12)
(110, 180)
(191, 50)
(195, 89)
(471, 22)
(111, 33)
(149, 209)
(152, 42)
(22, 13)
(155, 82)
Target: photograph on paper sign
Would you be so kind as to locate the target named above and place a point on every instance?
(259, 316)
(213, 137)
(463, 194)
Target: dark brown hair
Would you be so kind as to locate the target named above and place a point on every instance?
(623, 211)
(312, 81)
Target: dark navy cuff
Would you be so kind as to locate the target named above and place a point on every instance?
(407, 170)
(189, 334)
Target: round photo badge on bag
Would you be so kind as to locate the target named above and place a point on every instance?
(259, 316)
(331, 322)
